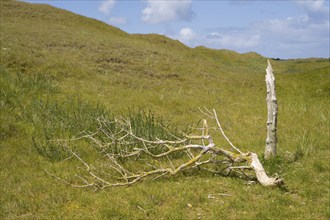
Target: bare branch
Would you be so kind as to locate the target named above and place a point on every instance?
(128, 158)
(223, 133)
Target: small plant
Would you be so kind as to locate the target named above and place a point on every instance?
(50, 150)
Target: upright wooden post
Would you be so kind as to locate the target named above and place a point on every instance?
(271, 140)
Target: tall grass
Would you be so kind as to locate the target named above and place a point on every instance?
(52, 119)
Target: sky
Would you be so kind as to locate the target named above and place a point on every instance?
(273, 28)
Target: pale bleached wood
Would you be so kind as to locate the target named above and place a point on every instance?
(261, 175)
(204, 151)
(271, 139)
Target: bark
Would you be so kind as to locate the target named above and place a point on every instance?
(271, 140)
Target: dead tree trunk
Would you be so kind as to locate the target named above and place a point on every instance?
(271, 140)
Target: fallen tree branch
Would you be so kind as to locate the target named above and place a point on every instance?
(128, 158)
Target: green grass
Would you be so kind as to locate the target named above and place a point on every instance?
(59, 71)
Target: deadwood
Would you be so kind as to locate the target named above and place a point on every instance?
(271, 139)
(127, 158)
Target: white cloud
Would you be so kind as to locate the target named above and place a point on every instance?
(117, 20)
(297, 36)
(240, 40)
(107, 6)
(186, 35)
(165, 11)
(284, 38)
(235, 41)
(314, 5)
(294, 36)
(299, 29)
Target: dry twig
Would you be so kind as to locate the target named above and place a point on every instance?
(160, 155)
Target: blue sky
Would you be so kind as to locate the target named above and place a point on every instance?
(272, 28)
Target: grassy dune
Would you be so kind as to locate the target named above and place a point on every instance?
(60, 70)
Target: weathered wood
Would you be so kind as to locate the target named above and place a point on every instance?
(201, 151)
(261, 175)
(271, 140)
